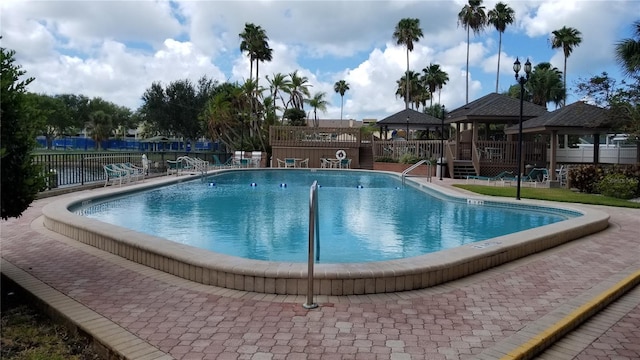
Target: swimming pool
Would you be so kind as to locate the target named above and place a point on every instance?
(291, 278)
(363, 216)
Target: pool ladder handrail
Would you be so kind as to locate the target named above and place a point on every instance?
(313, 235)
(414, 166)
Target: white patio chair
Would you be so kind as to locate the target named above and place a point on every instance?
(256, 158)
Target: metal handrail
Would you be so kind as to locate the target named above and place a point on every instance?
(313, 232)
(412, 167)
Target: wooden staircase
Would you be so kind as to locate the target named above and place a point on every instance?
(462, 169)
(366, 156)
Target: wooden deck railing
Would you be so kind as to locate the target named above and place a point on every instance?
(301, 136)
(423, 149)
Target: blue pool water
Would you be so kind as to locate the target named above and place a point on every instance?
(264, 215)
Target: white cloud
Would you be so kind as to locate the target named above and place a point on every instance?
(116, 49)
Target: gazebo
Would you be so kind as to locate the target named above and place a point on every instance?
(409, 119)
(485, 152)
(578, 118)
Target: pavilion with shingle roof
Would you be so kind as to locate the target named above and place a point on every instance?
(410, 119)
(494, 108)
(577, 118)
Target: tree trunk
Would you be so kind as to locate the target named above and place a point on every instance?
(406, 80)
(564, 99)
(467, 82)
(499, 51)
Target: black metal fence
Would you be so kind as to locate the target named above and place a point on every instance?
(64, 170)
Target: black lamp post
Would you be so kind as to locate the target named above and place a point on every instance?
(442, 143)
(407, 135)
(521, 80)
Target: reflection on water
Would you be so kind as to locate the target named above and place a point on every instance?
(363, 216)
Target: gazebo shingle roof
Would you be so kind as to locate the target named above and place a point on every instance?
(416, 120)
(577, 116)
(495, 108)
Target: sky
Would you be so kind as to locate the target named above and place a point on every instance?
(116, 49)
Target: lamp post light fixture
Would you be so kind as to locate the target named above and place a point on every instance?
(521, 80)
(442, 143)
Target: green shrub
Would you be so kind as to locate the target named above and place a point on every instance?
(386, 159)
(585, 178)
(633, 172)
(408, 159)
(618, 186)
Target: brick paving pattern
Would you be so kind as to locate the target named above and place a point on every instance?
(457, 320)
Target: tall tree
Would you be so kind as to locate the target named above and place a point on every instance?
(299, 90)
(405, 88)
(500, 16)
(341, 88)
(406, 33)
(317, 102)
(566, 38)
(57, 119)
(279, 84)
(21, 179)
(100, 127)
(79, 108)
(628, 52)
(247, 44)
(545, 85)
(472, 18)
(433, 77)
(255, 42)
(442, 78)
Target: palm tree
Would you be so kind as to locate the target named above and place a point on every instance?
(317, 102)
(220, 117)
(419, 96)
(566, 38)
(341, 87)
(545, 85)
(501, 16)
(255, 43)
(443, 77)
(403, 86)
(299, 90)
(472, 17)
(628, 52)
(433, 78)
(263, 54)
(280, 82)
(246, 44)
(100, 127)
(406, 33)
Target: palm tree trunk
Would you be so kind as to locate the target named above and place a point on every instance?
(499, 51)
(564, 99)
(341, 106)
(467, 82)
(315, 118)
(406, 80)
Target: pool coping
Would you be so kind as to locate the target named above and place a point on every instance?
(287, 278)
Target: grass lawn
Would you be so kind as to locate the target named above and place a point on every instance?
(555, 194)
(28, 334)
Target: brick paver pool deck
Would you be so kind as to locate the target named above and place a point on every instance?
(507, 312)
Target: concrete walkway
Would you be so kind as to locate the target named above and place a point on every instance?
(507, 312)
